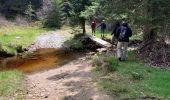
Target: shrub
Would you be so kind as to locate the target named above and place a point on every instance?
(105, 63)
(11, 85)
(136, 76)
(74, 44)
(81, 41)
(113, 63)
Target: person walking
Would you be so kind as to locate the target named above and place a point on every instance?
(93, 27)
(114, 37)
(102, 28)
(122, 34)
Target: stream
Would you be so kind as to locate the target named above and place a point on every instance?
(40, 60)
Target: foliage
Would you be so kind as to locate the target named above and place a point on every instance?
(30, 11)
(11, 85)
(112, 63)
(53, 19)
(105, 63)
(90, 11)
(136, 76)
(135, 80)
(75, 43)
(79, 6)
(66, 11)
(12, 7)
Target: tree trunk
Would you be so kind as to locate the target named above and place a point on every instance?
(146, 32)
(149, 31)
(84, 25)
(149, 35)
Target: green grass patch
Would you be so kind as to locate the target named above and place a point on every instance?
(137, 37)
(14, 36)
(133, 79)
(98, 34)
(11, 85)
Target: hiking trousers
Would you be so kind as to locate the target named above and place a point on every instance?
(122, 50)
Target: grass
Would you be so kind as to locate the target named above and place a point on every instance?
(135, 80)
(98, 34)
(11, 85)
(13, 36)
(137, 37)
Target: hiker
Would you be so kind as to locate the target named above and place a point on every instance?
(122, 34)
(93, 27)
(114, 37)
(102, 28)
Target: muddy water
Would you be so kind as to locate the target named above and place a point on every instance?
(42, 59)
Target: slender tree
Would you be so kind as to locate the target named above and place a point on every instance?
(79, 6)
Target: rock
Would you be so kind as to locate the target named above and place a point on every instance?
(91, 53)
(46, 96)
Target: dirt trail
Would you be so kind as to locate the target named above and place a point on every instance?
(71, 81)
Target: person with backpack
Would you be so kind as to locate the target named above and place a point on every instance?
(102, 28)
(122, 34)
(114, 38)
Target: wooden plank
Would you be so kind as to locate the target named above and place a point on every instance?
(100, 41)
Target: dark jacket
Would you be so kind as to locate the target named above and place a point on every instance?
(128, 33)
(103, 26)
(117, 25)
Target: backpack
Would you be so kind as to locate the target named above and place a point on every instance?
(123, 33)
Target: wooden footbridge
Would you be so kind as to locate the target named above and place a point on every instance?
(101, 42)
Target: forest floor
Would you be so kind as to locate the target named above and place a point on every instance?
(70, 81)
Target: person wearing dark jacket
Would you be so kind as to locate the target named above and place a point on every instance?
(117, 25)
(103, 28)
(122, 34)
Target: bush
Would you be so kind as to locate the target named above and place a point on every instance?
(81, 41)
(74, 44)
(105, 63)
(11, 85)
(136, 76)
(53, 19)
(113, 63)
